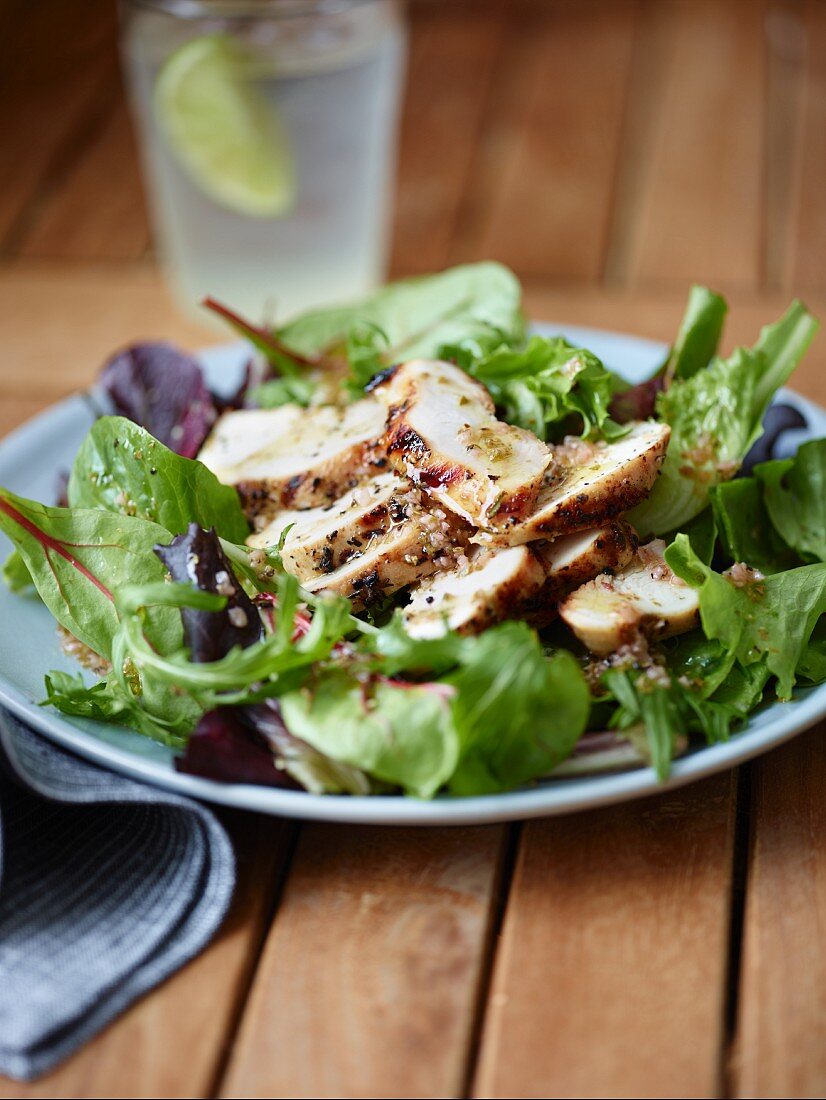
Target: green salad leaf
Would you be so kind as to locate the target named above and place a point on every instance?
(699, 333)
(545, 385)
(417, 316)
(278, 662)
(794, 491)
(519, 712)
(667, 711)
(715, 416)
(121, 468)
(108, 701)
(771, 619)
(16, 575)
(401, 733)
(79, 559)
(745, 529)
(812, 666)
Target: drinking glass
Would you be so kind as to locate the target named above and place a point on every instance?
(268, 133)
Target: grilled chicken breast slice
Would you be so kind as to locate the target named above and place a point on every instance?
(292, 457)
(442, 433)
(491, 586)
(394, 557)
(574, 559)
(589, 483)
(644, 599)
(320, 540)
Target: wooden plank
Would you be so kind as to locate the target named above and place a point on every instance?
(782, 1011)
(809, 263)
(368, 982)
(693, 212)
(54, 78)
(453, 50)
(541, 190)
(61, 322)
(786, 75)
(97, 211)
(610, 977)
(172, 1042)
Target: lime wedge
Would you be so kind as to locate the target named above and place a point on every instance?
(227, 137)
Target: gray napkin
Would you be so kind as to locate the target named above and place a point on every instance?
(106, 888)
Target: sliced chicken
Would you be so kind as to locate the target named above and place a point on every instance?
(589, 483)
(292, 457)
(574, 559)
(443, 434)
(320, 540)
(643, 599)
(491, 586)
(394, 556)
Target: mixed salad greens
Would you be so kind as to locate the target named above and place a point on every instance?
(212, 647)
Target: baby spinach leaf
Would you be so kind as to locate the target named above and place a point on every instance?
(745, 530)
(121, 468)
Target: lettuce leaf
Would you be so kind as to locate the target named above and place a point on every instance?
(699, 333)
(544, 385)
(715, 415)
(770, 621)
(417, 316)
(403, 734)
(745, 531)
(518, 712)
(794, 491)
(80, 558)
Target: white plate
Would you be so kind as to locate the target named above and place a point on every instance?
(29, 461)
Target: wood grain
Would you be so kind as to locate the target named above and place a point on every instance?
(694, 212)
(610, 978)
(172, 1042)
(97, 210)
(453, 55)
(368, 982)
(809, 263)
(540, 193)
(56, 76)
(782, 1019)
(91, 311)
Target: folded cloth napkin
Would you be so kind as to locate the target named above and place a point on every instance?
(107, 887)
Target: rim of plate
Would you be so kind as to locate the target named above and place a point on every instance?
(547, 798)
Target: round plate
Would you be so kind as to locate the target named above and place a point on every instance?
(30, 459)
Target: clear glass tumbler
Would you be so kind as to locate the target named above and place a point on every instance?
(268, 132)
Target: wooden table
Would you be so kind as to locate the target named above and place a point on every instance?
(611, 153)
